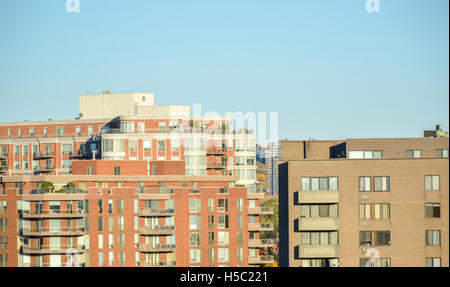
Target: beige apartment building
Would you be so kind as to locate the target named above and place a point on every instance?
(365, 202)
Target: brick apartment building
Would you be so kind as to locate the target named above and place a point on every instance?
(365, 202)
(134, 185)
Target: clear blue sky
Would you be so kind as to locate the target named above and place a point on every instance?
(330, 68)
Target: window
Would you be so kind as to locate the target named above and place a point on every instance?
(442, 152)
(108, 145)
(382, 238)
(90, 131)
(195, 255)
(211, 238)
(78, 131)
(222, 205)
(211, 255)
(66, 163)
(161, 146)
(60, 131)
(211, 223)
(194, 239)
(100, 259)
(223, 238)
(127, 127)
(433, 237)
(194, 221)
(364, 183)
(432, 182)
(100, 223)
(365, 238)
(240, 221)
(141, 127)
(381, 183)
(194, 205)
(223, 221)
(358, 154)
(319, 210)
(223, 254)
(432, 210)
(319, 238)
(413, 153)
(147, 146)
(319, 183)
(66, 148)
(31, 132)
(117, 170)
(240, 237)
(120, 206)
(375, 262)
(210, 204)
(133, 145)
(25, 150)
(433, 262)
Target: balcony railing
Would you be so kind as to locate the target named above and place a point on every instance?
(145, 247)
(44, 168)
(49, 231)
(3, 169)
(154, 190)
(216, 151)
(53, 213)
(47, 249)
(260, 227)
(261, 259)
(260, 210)
(158, 264)
(43, 155)
(255, 243)
(78, 154)
(156, 212)
(157, 229)
(215, 165)
(66, 190)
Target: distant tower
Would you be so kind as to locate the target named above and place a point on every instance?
(273, 155)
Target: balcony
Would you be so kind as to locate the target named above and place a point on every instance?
(318, 197)
(255, 195)
(216, 151)
(44, 168)
(261, 259)
(144, 247)
(261, 243)
(318, 251)
(260, 227)
(215, 165)
(157, 229)
(46, 249)
(78, 154)
(43, 155)
(3, 155)
(159, 264)
(160, 192)
(156, 212)
(3, 169)
(48, 231)
(318, 223)
(260, 210)
(53, 213)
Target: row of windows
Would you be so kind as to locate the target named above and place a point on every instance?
(222, 204)
(383, 238)
(223, 255)
(60, 131)
(377, 154)
(366, 183)
(223, 238)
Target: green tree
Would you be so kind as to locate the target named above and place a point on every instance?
(47, 186)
